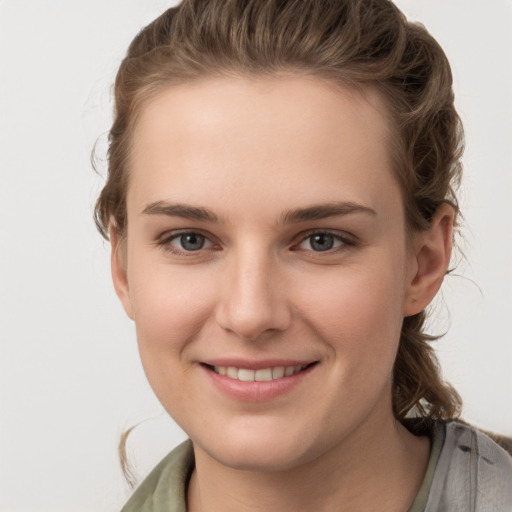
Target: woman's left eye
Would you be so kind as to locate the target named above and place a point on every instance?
(323, 242)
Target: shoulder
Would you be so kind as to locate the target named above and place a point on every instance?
(503, 441)
(165, 487)
(473, 473)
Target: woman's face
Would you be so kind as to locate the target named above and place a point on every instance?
(267, 267)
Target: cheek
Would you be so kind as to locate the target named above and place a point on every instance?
(170, 304)
(170, 308)
(358, 313)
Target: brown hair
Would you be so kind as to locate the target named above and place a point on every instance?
(357, 43)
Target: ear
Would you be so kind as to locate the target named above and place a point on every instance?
(429, 262)
(118, 263)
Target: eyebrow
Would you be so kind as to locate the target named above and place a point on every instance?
(183, 211)
(315, 212)
(322, 211)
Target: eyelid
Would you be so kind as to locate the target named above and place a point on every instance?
(347, 239)
(164, 241)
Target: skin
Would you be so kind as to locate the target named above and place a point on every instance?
(251, 151)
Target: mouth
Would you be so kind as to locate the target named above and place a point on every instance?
(259, 375)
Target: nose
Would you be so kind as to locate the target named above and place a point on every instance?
(254, 304)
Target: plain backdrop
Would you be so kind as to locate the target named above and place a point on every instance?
(71, 380)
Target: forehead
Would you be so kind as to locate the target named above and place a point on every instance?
(283, 136)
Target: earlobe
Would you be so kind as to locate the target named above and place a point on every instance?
(119, 270)
(431, 257)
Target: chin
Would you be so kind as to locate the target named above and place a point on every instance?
(257, 457)
(260, 450)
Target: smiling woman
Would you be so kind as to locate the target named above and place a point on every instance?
(281, 203)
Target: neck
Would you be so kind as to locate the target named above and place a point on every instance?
(374, 469)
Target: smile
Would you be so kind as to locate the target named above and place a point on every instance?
(261, 375)
(260, 382)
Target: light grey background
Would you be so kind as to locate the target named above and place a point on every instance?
(70, 375)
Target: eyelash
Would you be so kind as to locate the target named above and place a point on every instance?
(165, 242)
(344, 241)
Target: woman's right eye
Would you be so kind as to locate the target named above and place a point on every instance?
(185, 242)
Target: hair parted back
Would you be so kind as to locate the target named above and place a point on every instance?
(355, 43)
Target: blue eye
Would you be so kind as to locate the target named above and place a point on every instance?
(323, 242)
(186, 242)
(192, 241)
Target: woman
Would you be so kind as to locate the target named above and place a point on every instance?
(280, 202)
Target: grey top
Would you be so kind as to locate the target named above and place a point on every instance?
(467, 472)
(473, 473)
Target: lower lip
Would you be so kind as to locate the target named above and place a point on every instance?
(256, 391)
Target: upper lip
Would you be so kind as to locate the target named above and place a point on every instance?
(251, 364)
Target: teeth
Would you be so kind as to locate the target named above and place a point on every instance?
(265, 374)
(261, 375)
(289, 370)
(246, 375)
(278, 372)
